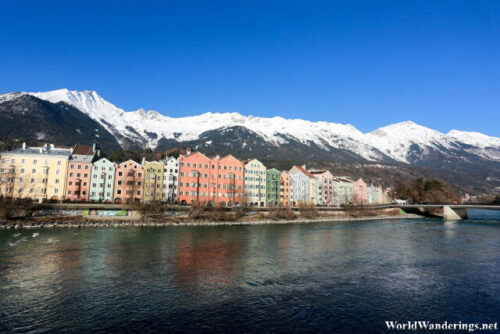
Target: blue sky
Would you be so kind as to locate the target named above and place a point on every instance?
(368, 63)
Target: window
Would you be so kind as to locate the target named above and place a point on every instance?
(70, 183)
(57, 181)
(56, 190)
(79, 166)
(119, 192)
(59, 162)
(33, 171)
(69, 192)
(32, 190)
(71, 174)
(58, 171)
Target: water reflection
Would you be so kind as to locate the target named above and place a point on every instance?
(230, 278)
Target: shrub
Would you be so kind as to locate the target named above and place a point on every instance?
(307, 210)
(281, 213)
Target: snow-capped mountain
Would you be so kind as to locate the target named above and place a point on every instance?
(405, 142)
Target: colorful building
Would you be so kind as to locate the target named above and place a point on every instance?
(315, 190)
(102, 181)
(129, 182)
(255, 183)
(360, 192)
(78, 174)
(38, 173)
(327, 186)
(273, 187)
(284, 189)
(153, 181)
(170, 179)
(215, 181)
(299, 185)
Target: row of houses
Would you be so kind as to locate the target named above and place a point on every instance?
(79, 174)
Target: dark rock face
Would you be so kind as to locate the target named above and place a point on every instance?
(32, 119)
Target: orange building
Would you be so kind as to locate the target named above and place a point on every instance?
(215, 181)
(284, 189)
(129, 182)
(78, 173)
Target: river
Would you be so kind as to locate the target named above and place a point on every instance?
(328, 277)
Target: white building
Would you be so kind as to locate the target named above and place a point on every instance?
(255, 183)
(102, 181)
(170, 179)
(299, 185)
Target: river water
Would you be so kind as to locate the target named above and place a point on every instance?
(329, 277)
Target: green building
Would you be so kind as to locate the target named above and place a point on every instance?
(273, 187)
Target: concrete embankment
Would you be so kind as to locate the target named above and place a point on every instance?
(102, 223)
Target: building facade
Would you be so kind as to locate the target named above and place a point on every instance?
(78, 174)
(360, 192)
(38, 173)
(153, 181)
(170, 179)
(273, 186)
(102, 181)
(129, 182)
(214, 181)
(255, 183)
(299, 186)
(327, 186)
(284, 189)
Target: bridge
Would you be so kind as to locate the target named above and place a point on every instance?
(445, 211)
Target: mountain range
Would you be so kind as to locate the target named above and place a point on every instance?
(276, 138)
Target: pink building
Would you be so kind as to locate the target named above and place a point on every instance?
(360, 192)
(216, 181)
(327, 185)
(129, 182)
(78, 173)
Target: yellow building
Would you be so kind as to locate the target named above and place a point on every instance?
(38, 173)
(153, 181)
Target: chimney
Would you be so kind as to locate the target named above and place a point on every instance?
(51, 146)
(304, 166)
(217, 156)
(24, 146)
(98, 153)
(143, 161)
(93, 147)
(188, 151)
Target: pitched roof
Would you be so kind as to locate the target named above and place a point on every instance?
(304, 171)
(83, 150)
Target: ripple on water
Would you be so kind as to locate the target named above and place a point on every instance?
(310, 278)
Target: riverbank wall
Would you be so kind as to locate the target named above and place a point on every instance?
(6, 225)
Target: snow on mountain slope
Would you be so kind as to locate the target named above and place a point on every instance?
(148, 127)
(405, 142)
(397, 139)
(89, 102)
